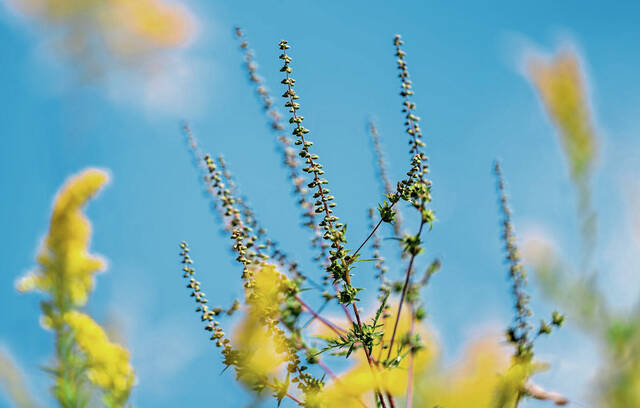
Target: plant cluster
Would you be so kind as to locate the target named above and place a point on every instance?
(281, 346)
(387, 346)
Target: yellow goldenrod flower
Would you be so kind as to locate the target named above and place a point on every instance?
(560, 84)
(107, 362)
(66, 268)
(257, 342)
(66, 273)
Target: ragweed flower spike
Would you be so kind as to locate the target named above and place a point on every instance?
(259, 347)
(241, 233)
(197, 155)
(411, 119)
(226, 205)
(285, 146)
(519, 334)
(207, 314)
(415, 188)
(334, 232)
(240, 222)
(260, 240)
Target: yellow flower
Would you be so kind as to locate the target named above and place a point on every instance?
(261, 345)
(108, 363)
(560, 84)
(66, 268)
(486, 377)
(125, 26)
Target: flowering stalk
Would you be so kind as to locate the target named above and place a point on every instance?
(250, 247)
(288, 153)
(66, 273)
(339, 266)
(519, 334)
(416, 188)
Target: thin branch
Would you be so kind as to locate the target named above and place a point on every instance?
(402, 296)
(539, 393)
(410, 368)
(338, 330)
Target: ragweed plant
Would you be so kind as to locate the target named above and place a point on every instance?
(85, 358)
(560, 83)
(274, 349)
(516, 384)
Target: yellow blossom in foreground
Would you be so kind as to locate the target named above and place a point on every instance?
(486, 377)
(66, 268)
(560, 84)
(108, 363)
(261, 346)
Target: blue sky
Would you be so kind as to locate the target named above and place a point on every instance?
(475, 106)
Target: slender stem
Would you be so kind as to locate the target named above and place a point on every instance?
(388, 189)
(392, 403)
(410, 368)
(537, 392)
(297, 401)
(338, 330)
(370, 235)
(370, 361)
(327, 370)
(402, 296)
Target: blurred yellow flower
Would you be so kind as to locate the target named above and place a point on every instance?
(260, 345)
(66, 268)
(560, 83)
(475, 382)
(108, 363)
(127, 26)
(107, 39)
(149, 23)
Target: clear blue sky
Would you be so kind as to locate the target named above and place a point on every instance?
(475, 107)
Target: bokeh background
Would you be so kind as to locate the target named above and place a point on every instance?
(97, 83)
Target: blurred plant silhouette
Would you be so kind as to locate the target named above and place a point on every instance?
(560, 82)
